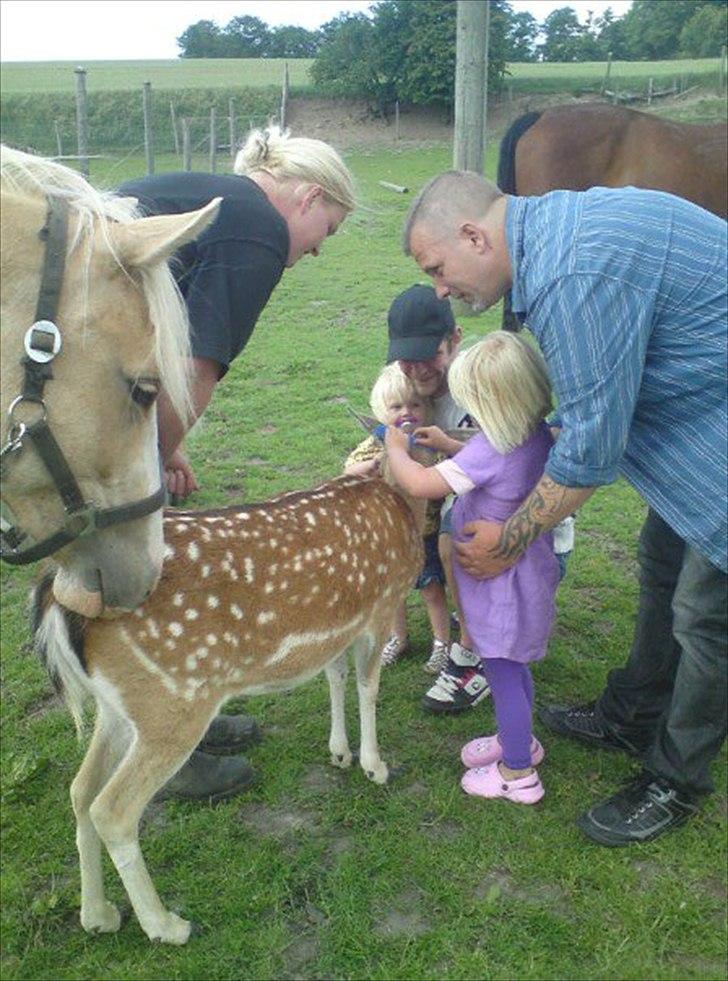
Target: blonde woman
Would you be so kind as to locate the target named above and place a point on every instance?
(503, 385)
(287, 196)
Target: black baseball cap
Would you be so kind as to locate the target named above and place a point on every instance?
(418, 321)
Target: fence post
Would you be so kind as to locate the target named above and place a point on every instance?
(650, 85)
(723, 69)
(231, 117)
(213, 141)
(148, 126)
(605, 80)
(186, 150)
(396, 120)
(59, 142)
(284, 95)
(175, 134)
(82, 120)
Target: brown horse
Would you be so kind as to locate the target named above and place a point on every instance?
(597, 145)
(92, 326)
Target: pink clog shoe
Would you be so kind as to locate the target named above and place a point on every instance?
(487, 749)
(487, 781)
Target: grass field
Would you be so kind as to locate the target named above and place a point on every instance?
(58, 76)
(316, 873)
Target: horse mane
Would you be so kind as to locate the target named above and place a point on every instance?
(37, 177)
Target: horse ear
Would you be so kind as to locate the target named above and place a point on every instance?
(148, 241)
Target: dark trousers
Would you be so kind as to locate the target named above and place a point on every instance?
(671, 694)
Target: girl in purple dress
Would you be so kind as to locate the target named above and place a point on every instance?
(502, 383)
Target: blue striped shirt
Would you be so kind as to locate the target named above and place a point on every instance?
(625, 292)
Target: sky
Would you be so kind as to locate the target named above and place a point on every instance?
(99, 30)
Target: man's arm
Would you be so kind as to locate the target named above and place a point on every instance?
(495, 547)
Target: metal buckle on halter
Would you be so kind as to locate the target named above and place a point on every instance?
(42, 341)
(81, 522)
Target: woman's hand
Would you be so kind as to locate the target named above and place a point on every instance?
(480, 556)
(179, 475)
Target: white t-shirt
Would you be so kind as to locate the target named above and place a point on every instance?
(447, 414)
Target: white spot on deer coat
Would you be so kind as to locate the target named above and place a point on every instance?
(176, 629)
(193, 551)
(236, 611)
(266, 617)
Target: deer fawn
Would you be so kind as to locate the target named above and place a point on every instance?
(252, 599)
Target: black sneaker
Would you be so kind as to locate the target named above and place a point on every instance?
(645, 808)
(460, 685)
(583, 722)
(230, 734)
(210, 778)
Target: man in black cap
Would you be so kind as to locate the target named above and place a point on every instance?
(424, 339)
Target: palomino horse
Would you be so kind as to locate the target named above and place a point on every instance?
(254, 599)
(597, 145)
(92, 327)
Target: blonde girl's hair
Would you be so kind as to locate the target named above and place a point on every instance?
(503, 383)
(297, 158)
(392, 385)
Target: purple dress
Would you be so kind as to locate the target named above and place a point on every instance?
(511, 615)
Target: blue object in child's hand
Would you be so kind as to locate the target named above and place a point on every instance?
(380, 431)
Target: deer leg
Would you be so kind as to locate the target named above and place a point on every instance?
(152, 759)
(110, 741)
(368, 665)
(337, 673)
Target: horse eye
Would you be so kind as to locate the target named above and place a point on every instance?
(144, 391)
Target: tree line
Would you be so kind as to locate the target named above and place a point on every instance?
(405, 49)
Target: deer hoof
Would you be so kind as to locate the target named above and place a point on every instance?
(172, 929)
(105, 919)
(378, 774)
(342, 760)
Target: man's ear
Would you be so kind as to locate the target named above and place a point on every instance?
(474, 235)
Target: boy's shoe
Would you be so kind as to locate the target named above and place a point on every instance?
(643, 809)
(488, 781)
(438, 659)
(460, 685)
(585, 723)
(395, 648)
(487, 750)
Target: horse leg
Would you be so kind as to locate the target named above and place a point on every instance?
(368, 665)
(337, 673)
(110, 741)
(156, 754)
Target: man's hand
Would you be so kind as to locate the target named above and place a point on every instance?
(481, 556)
(180, 477)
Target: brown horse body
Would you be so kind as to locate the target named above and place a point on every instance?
(578, 147)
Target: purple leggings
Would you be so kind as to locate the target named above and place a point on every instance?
(512, 688)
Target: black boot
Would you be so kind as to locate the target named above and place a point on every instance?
(207, 777)
(230, 734)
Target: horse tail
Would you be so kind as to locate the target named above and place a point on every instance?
(58, 636)
(507, 184)
(507, 154)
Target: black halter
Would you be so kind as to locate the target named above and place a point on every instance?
(42, 343)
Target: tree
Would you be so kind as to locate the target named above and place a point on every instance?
(705, 33)
(652, 28)
(202, 40)
(343, 66)
(290, 41)
(611, 36)
(563, 36)
(245, 37)
(521, 37)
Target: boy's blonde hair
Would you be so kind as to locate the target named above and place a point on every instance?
(286, 158)
(392, 385)
(503, 383)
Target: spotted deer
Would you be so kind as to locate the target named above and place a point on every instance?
(251, 599)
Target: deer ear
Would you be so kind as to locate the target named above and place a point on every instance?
(149, 241)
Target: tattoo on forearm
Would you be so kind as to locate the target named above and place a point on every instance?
(532, 518)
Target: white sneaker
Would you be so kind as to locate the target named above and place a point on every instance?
(438, 658)
(395, 648)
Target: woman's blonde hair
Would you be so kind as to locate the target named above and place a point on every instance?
(503, 383)
(392, 385)
(274, 151)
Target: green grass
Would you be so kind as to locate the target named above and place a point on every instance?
(319, 874)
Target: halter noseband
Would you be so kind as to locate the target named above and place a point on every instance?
(42, 343)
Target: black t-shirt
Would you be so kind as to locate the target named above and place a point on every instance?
(227, 274)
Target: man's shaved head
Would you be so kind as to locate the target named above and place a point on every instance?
(449, 199)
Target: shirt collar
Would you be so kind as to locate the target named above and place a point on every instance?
(515, 221)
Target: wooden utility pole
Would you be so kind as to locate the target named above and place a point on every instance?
(82, 120)
(471, 85)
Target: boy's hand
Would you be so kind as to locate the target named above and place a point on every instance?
(396, 439)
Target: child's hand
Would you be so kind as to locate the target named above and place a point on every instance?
(396, 439)
(364, 468)
(435, 439)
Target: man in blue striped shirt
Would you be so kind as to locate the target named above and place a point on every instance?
(625, 292)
